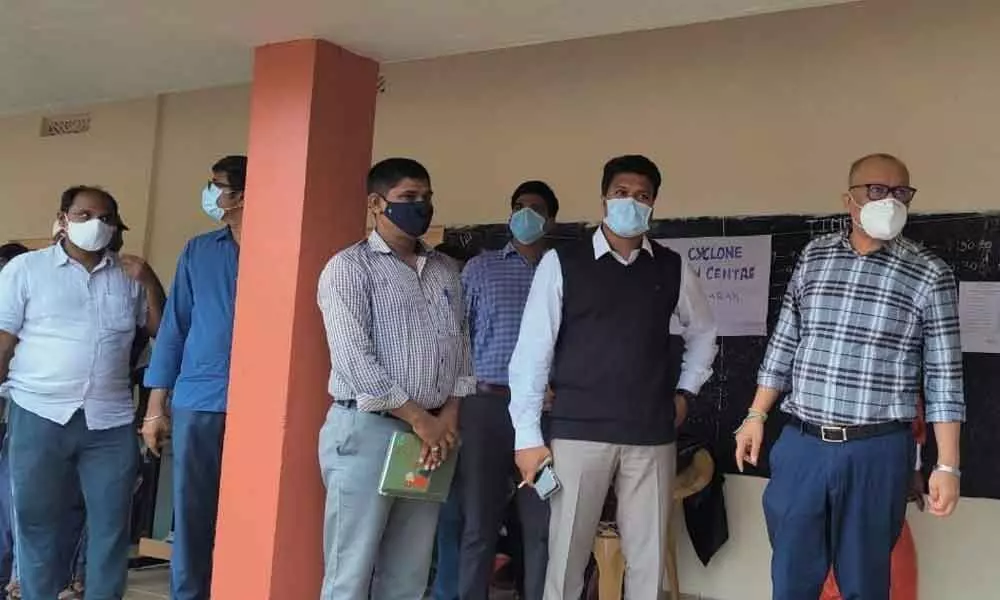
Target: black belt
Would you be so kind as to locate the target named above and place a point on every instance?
(353, 405)
(493, 389)
(839, 434)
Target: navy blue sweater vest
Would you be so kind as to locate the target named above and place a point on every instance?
(614, 375)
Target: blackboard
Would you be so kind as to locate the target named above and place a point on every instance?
(969, 242)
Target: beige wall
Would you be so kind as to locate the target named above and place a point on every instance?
(117, 153)
(196, 129)
(753, 116)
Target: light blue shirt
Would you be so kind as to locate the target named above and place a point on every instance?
(75, 330)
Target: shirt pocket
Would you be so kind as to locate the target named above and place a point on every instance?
(449, 311)
(118, 313)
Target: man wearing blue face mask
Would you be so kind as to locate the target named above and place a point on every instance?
(191, 359)
(399, 355)
(597, 327)
(496, 285)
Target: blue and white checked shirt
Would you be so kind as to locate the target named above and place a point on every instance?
(859, 336)
(395, 333)
(496, 285)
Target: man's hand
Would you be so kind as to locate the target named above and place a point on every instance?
(528, 460)
(433, 432)
(943, 493)
(137, 269)
(680, 409)
(154, 431)
(749, 439)
(449, 415)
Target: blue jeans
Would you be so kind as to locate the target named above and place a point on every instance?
(197, 449)
(839, 504)
(449, 541)
(46, 462)
(6, 523)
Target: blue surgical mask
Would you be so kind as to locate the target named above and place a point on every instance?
(627, 217)
(210, 202)
(527, 226)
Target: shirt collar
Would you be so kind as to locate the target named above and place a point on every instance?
(892, 246)
(377, 243)
(60, 258)
(601, 246)
(508, 250)
(224, 234)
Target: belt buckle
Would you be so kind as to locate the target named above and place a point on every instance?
(833, 434)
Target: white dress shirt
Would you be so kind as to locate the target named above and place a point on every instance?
(532, 359)
(75, 331)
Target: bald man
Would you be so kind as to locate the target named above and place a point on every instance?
(868, 320)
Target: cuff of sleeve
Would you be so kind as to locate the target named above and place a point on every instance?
(945, 415)
(773, 381)
(691, 382)
(464, 386)
(158, 381)
(528, 436)
(396, 398)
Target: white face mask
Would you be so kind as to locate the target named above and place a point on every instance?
(92, 236)
(883, 219)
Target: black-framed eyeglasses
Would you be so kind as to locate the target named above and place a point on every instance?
(880, 191)
(82, 216)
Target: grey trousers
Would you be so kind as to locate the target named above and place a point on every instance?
(374, 546)
(643, 478)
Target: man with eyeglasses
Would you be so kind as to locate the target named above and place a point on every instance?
(190, 359)
(68, 318)
(869, 319)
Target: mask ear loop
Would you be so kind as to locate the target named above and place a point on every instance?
(850, 219)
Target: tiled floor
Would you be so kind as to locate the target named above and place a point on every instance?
(152, 584)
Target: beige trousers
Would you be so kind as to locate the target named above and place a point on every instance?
(643, 478)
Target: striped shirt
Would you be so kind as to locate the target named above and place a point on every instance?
(857, 334)
(395, 333)
(496, 285)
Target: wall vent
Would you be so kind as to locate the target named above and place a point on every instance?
(65, 125)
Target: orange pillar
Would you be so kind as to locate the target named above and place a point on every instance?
(312, 119)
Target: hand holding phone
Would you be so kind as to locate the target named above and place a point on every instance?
(546, 483)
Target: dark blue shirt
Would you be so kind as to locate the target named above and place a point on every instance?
(192, 347)
(496, 285)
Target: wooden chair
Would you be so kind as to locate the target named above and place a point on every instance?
(607, 546)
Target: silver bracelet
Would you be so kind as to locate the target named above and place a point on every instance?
(153, 418)
(948, 469)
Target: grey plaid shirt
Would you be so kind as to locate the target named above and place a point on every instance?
(859, 337)
(395, 334)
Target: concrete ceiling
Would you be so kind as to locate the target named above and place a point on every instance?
(61, 53)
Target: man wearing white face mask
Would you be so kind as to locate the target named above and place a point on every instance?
(869, 319)
(191, 360)
(597, 327)
(72, 310)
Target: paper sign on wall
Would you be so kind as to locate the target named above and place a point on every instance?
(735, 275)
(979, 316)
